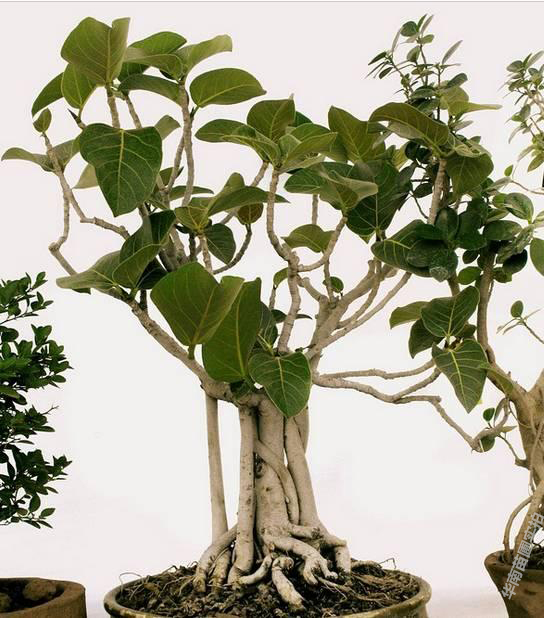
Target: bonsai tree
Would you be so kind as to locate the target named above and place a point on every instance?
(478, 235)
(26, 365)
(177, 238)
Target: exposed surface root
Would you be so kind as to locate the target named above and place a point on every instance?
(368, 587)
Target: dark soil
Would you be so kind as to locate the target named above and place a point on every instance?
(170, 594)
(536, 561)
(17, 601)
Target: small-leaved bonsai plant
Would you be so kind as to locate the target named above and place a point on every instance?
(176, 238)
(26, 476)
(479, 235)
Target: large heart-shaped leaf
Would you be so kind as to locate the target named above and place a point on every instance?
(271, 118)
(355, 134)
(97, 49)
(140, 249)
(219, 130)
(375, 213)
(50, 93)
(394, 251)
(224, 87)
(310, 236)
(286, 379)
(537, 254)
(99, 276)
(309, 147)
(76, 87)
(463, 366)
(410, 123)
(226, 354)
(468, 173)
(446, 317)
(334, 151)
(193, 303)
(126, 163)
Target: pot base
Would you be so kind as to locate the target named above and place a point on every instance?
(528, 601)
(414, 607)
(69, 601)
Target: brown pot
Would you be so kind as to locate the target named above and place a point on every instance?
(412, 608)
(70, 603)
(528, 602)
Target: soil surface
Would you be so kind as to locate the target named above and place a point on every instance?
(368, 587)
(17, 595)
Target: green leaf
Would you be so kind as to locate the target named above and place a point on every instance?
(311, 146)
(286, 380)
(96, 49)
(99, 276)
(501, 230)
(420, 338)
(457, 108)
(218, 130)
(126, 163)
(224, 87)
(468, 173)
(519, 205)
(271, 118)
(159, 43)
(238, 133)
(463, 368)
(191, 55)
(170, 64)
(375, 213)
(537, 254)
(225, 355)
(280, 276)
(305, 181)
(394, 251)
(221, 242)
(240, 197)
(166, 126)
(150, 83)
(469, 275)
(344, 192)
(410, 123)
(50, 93)
(41, 124)
(309, 236)
(65, 152)
(516, 310)
(76, 87)
(194, 215)
(140, 249)
(193, 303)
(354, 133)
(406, 314)
(250, 213)
(446, 317)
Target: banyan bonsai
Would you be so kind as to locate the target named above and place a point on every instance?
(480, 235)
(30, 360)
(241, 339)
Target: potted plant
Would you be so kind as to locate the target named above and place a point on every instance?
(477, 236)
(176, 238)
(26, 476)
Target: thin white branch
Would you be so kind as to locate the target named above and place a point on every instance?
(379, 373)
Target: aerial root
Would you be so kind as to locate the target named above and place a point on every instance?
(259, 574)
(285, 588)
(314, 562)
(342, 558)
(214, 554)
(220, 571)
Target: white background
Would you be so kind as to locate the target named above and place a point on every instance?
(397, 482)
